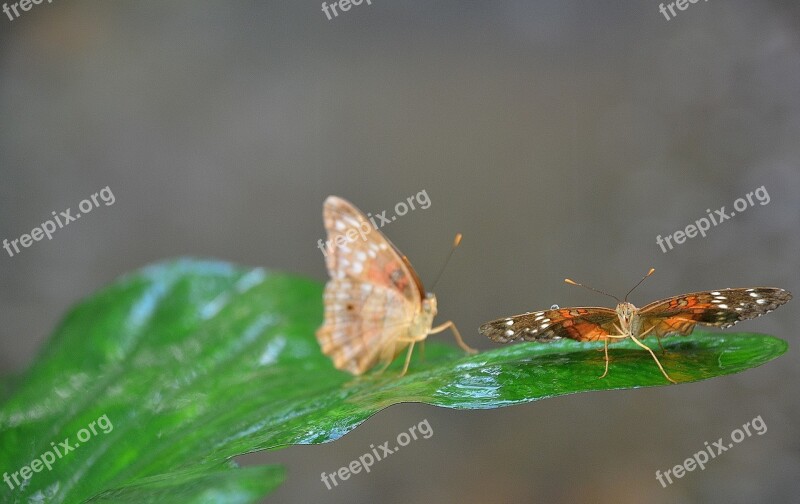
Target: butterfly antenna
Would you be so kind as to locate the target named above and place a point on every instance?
(572, 282)
(456, 243)
(640, 282)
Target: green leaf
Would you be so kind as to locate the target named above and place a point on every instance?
(201, 485)
(194, 362)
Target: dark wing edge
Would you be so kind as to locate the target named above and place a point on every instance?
(720, 308)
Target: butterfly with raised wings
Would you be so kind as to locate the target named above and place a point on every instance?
(677, 315)
(375, 304)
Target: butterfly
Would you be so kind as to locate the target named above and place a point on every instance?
(676, 315)
(375, 304)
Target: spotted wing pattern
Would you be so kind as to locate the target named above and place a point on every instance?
(722, 308)
(363, 323)
(373, 292)
(581, 324)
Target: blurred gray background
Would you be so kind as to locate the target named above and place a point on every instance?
(560, 137)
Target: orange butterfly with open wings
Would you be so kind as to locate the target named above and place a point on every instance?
(676, 315)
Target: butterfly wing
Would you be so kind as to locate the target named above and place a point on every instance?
(580, 324)
(363, 323)
(722, 308)
(362, 253)
(372, 296)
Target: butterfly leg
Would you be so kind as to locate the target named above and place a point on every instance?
(605, 348)
(408, 357)
(615, 336)
(450, 325)
(658, 338)
(663, 351)
(654, 357)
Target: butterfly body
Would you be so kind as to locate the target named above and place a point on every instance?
(677, 315)
(375, 304)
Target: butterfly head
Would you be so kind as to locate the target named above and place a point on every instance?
(423, 321)
(626, 313)
(429, 304)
